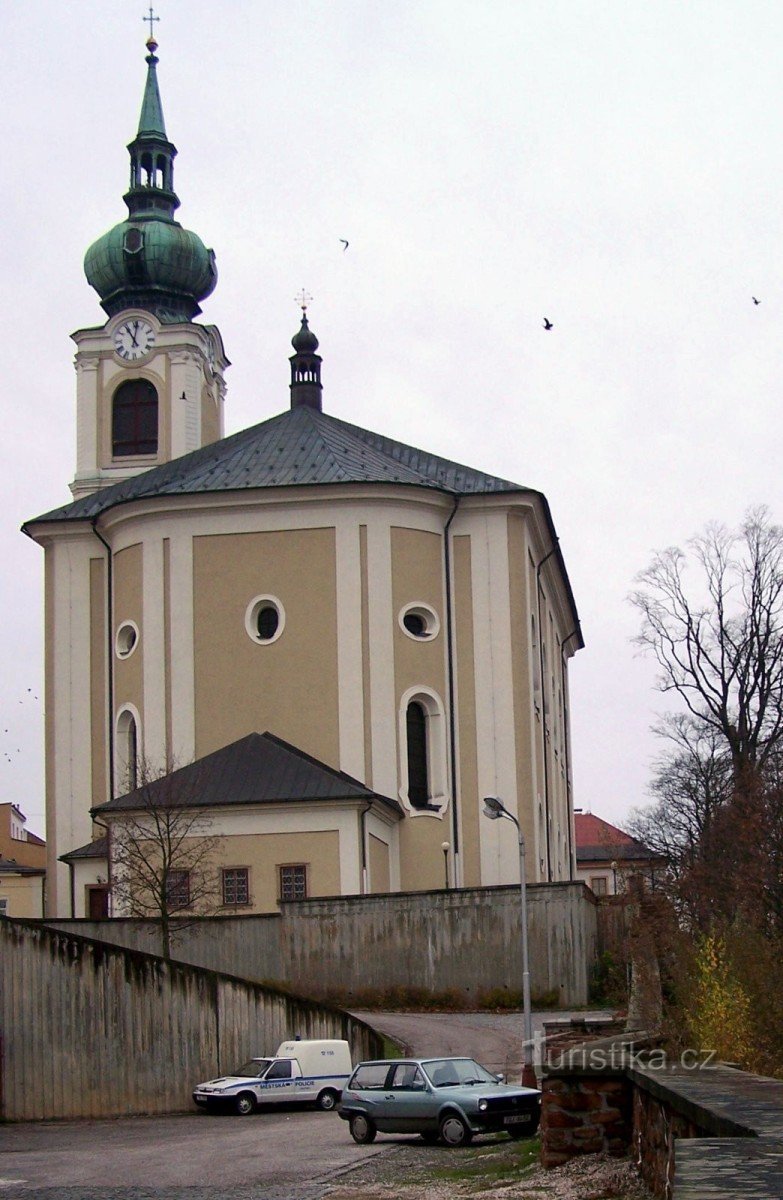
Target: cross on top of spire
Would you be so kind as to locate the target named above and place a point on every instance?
(151, 18)
(303, 299)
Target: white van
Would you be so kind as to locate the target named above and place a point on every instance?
(312, 1072)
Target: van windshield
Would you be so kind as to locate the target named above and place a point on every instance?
(254, 1068)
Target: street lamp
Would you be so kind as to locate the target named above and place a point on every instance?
(496, 810)
(445, 847)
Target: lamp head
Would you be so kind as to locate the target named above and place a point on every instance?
(494, 808)
(445, 847)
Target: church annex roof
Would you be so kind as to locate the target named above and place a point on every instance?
(258, 769)
(300, 447)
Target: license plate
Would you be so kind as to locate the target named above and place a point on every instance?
(520, 1119)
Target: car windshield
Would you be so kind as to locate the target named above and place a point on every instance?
(254, 1068)
(456, 1072)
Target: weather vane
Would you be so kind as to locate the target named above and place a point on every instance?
(151, 18)
(303, 299)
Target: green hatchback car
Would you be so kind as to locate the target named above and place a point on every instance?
(446, 1099)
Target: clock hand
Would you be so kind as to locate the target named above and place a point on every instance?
(133, 334)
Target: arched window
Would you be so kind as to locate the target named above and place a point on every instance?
(127, 752)
(418, 766)
(134, 426)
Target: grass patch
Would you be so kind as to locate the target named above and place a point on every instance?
(491, 1163)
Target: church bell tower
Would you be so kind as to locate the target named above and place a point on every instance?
(150, 383)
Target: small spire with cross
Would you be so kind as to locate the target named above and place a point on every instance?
(151, 18)
(303, 299)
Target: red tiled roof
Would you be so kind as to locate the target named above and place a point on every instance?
(593, 831)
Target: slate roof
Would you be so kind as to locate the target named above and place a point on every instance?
(257, 769)
(299, 447)
(98, 848)
(9, 866)
(598, 841)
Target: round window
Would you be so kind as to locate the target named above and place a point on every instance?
(127, 639)
(419, 622)
(264, 619)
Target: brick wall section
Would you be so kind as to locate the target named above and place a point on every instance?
(585, 1114)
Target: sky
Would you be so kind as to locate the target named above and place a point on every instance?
(613, 165)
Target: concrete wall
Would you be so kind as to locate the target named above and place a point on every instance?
(466, 939)
(90, 1030)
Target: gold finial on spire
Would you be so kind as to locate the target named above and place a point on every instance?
(303, 299)
(151, 43)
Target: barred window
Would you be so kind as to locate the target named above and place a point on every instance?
(178, 889)
(293, 882)
(236, 888)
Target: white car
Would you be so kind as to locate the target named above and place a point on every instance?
(305, 1072)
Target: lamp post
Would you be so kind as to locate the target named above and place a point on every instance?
(614, 878)
(445, 847)
(496, 810)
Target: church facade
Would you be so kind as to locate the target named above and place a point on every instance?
(354, 639)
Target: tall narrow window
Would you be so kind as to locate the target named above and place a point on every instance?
(418, 772)
(127, 766)
(293, 881)
(134, 428)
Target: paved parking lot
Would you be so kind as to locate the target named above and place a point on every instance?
(285, 1153)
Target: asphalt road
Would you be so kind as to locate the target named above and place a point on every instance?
(291, 1154)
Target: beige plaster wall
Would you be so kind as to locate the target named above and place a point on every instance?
(210, 417)
(128, 606)
(288, 686)
(380, 876)
(24, 895)
(521, 634)
(470, 809)
(319, 851)
(99, 699)
(417, 575)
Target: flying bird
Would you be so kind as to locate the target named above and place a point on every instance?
(345, 244)
(755, 301)
(547, 323)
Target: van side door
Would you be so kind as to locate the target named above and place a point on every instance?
(279, 1082)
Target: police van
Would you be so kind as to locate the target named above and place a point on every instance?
(307, 1072)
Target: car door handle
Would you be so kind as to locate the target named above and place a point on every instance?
(389, 1097)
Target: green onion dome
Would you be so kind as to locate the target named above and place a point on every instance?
(149, 261)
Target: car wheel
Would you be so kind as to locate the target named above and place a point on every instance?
(516, 1134)
(454, 1131)
(327, 1100)
(245, 1104)
(362, 1129)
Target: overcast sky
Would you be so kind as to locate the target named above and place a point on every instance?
(615, 166)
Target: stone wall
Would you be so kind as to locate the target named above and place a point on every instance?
(91, 1030)
(587, 1115)
(465, 939)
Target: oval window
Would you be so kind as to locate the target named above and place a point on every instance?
(127, 639)
(420, 622)
(264, 619)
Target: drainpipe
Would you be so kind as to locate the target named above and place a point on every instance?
(544, 712)
(110, 647)
(566, 751)
(450, 679)
(363, 826)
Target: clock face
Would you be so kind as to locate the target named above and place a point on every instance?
(133, 339)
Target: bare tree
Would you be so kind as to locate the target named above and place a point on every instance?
(163, 853)
(719, 639)
(691, 780)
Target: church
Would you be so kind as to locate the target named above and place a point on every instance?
(339, 644)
